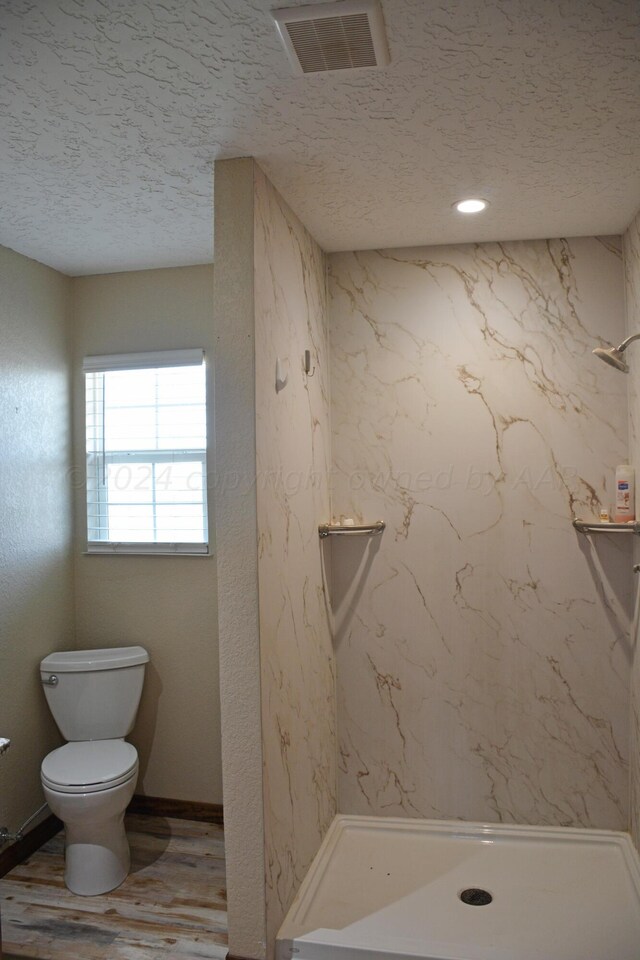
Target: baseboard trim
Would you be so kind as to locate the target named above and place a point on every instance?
(179, 809)
(21, 850)
(16, 853)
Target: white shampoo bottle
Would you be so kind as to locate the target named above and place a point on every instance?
(625, 508)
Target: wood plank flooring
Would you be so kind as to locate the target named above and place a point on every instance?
(172, 905)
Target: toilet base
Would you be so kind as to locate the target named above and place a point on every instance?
(97, 856)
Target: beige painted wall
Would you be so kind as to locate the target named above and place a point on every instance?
(237, 544)
(632, 290)
(167, 604)
(36, 609)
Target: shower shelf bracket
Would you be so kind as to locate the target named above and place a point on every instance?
(587, 527)
(351, 529)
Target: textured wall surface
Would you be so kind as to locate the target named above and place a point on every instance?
(532, 105)
(293, 459)
(36, 576)
(237, 551)
(632, 289)
(482, 644)
(167, 604)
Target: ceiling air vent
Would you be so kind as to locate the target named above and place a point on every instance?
(333, 36)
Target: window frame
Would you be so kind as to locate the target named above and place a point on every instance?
(139, 361)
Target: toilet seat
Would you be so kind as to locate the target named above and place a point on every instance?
(89, 766)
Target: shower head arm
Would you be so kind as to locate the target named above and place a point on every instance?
(625, 343)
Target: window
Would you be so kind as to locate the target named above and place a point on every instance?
(146, 453)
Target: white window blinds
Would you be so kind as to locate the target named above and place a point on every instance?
(146, 452)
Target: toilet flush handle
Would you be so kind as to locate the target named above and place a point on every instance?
(51, 680)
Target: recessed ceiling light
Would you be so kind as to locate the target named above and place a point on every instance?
(470, 206)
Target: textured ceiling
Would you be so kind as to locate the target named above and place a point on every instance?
(113, 111)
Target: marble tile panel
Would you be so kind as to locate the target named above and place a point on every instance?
(293, 460)
(482, 644)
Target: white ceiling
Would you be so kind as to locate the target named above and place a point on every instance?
(113, 111)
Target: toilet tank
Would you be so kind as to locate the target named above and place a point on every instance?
(94, 694)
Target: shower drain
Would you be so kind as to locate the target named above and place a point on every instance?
(476, 897)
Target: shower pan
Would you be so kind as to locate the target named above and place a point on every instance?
(401, 889)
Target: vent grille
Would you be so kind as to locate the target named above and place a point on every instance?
(336, 43)
(333, 36)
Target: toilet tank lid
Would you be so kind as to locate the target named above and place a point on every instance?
(79, 661)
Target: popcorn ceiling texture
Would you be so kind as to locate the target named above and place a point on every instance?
(113, 114)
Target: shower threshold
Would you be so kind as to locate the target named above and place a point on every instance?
(398, 889)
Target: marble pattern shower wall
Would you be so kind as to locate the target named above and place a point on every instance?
(632, 289)
(482, 644)
(293, 460)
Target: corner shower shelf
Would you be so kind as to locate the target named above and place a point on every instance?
(351, 529)
(588, 526)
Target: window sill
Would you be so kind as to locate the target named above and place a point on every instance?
(110, 549)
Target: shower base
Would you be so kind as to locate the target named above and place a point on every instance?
(389, 889)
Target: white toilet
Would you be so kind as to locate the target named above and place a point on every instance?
(93, 696)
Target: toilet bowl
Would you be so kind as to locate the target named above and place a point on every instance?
(88, 786)
(88, 783)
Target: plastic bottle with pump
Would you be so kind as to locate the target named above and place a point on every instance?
(625, 505)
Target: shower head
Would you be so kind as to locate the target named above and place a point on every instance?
(613, 355)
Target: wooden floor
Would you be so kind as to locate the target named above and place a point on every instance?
(172, 905)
